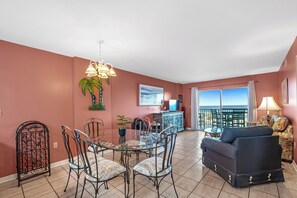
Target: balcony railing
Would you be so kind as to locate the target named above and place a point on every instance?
(210, 118)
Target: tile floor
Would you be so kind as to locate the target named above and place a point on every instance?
(192, 180)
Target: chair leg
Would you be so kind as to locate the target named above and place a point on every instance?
(157, 187)
(77, 182)
(113, 155)
(125, 178)
(106, 185)
(173, 183)
(82, 192)
(133, 184)
(96, 190)
(67, 179)
(137, 157)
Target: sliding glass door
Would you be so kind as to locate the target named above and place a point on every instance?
(222, 108)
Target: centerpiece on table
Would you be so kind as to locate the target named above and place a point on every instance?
(122, 122)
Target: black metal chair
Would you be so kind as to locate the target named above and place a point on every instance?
(94, 127)
(157, 168)
(75, 164)
(102, 170)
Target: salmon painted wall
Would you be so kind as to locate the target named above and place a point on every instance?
(288, 71)
(267, 85)
(44, 86)
(125, 94)
(34, 85)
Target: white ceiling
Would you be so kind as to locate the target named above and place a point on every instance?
(176, 40)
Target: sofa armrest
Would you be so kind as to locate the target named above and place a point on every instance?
(257, 152)
(216, 145)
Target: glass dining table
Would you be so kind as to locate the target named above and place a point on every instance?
(135, 141)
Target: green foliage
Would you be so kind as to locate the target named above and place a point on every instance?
(123, 121)
(89, 84)
(97, 107)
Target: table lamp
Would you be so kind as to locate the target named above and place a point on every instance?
(268, 104)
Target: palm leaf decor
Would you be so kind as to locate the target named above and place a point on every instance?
(89, 84)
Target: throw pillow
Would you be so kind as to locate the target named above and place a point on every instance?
(273, 119)
(280, 124)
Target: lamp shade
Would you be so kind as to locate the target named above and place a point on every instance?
(268, 104)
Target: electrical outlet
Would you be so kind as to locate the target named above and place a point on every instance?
(55, 145)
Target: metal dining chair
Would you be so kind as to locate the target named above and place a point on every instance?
(101, 171)
(94, 127)
(75, 164)
(158, 167)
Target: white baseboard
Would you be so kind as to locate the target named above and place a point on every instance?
(14, 176)
(294, 165)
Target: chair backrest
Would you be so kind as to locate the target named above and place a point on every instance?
(93, 127)
(147, 121)
(69, 139)
(160, 123)
(167, 138)
(141, 125)
(83, 142)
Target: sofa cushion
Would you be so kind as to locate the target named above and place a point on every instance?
(230, 134)
(280, 124)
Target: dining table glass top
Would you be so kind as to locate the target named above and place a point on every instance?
(133, 140)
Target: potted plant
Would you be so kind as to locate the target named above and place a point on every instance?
(122, 122)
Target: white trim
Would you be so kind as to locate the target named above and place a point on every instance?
(294, 165)
(14, 176)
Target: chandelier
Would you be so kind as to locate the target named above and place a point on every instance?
(100, 69)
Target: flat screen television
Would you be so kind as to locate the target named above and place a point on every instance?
(173, 105)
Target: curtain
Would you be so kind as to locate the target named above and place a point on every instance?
(252, 104)
(194, 108)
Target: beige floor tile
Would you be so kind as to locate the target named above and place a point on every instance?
(186, 183)
(240, 192)
(287, 193)
(270, 188)
(11, 192)
(213, 174)
(206, 191)
(35, 184)
(194, 175)
(288, 184)
(227, 195)
(179, 170)
(49, 195)
(193, 195)
(170, 193)
(200, 168)
(258, 194)
(114, 193)
(39, 191)
(213, 182)
(62, 182)
(146, 193)
(291, 177)
(169, 179)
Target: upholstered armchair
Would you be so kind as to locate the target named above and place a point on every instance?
(244, 156)
(281, 127)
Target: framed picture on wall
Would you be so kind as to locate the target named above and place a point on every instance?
(150, 95)
(284, 88)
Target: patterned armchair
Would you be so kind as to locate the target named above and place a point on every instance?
(284, 130)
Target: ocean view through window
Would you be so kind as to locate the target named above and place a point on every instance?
(223, 108)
